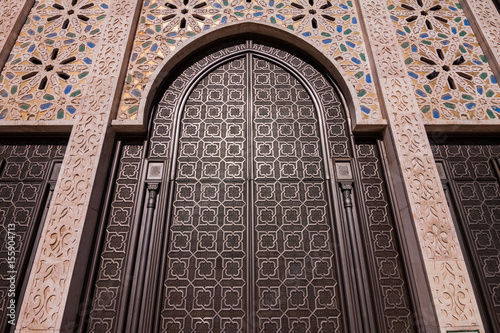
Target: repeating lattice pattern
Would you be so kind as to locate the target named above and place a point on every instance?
(207, 271)
(384, 253)
(449, 70)
(45, 73)
(112, 271)
(22, 189)
(286, 130)
(331, 25)
(294, 264)
(332, 110)
(477, 189)
(336, 124)
(162, 124)
(205, 284)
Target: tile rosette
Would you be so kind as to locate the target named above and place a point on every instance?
(44, 75)
(451, 75)
(332, 26)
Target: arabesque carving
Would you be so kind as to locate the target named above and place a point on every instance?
(452, 291)
(382, 37)
(449, 282)
(435, 229)
(45, 298)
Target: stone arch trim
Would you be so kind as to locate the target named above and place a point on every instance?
(282, 35)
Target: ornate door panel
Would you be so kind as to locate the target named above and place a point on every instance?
(206, 276)
(112, 269)
(28, 173)
(235, 223)
(471, 177)
(295, 279)
(250, 179)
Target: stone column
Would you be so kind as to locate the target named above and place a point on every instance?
(54, 286)
(447, 275)
(13, 13)
(485, 21)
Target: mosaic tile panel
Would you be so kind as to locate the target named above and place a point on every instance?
(48, 65)
(452, 77)
(473, 180)
(330, 25)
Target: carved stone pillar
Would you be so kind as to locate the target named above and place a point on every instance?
(58, 270)
(13, 14)
(485, 20)
(447, 275)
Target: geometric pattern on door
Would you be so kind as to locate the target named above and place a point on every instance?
(249, 169)
(244, 237)
(28, 172)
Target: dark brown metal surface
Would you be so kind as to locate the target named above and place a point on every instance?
(110, 288)
(382, 243)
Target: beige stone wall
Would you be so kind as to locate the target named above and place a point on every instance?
(447, 274)
(117, 67)
(486, 20)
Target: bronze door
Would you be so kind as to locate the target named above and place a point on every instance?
(228, 219)
(250, 240)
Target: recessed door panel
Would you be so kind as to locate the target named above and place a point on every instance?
(250, 180)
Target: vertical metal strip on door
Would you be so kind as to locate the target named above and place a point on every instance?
(27, 171)
(113, 269)
(383, 249)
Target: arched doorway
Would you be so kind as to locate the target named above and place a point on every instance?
(249, 208)
(250, 225)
